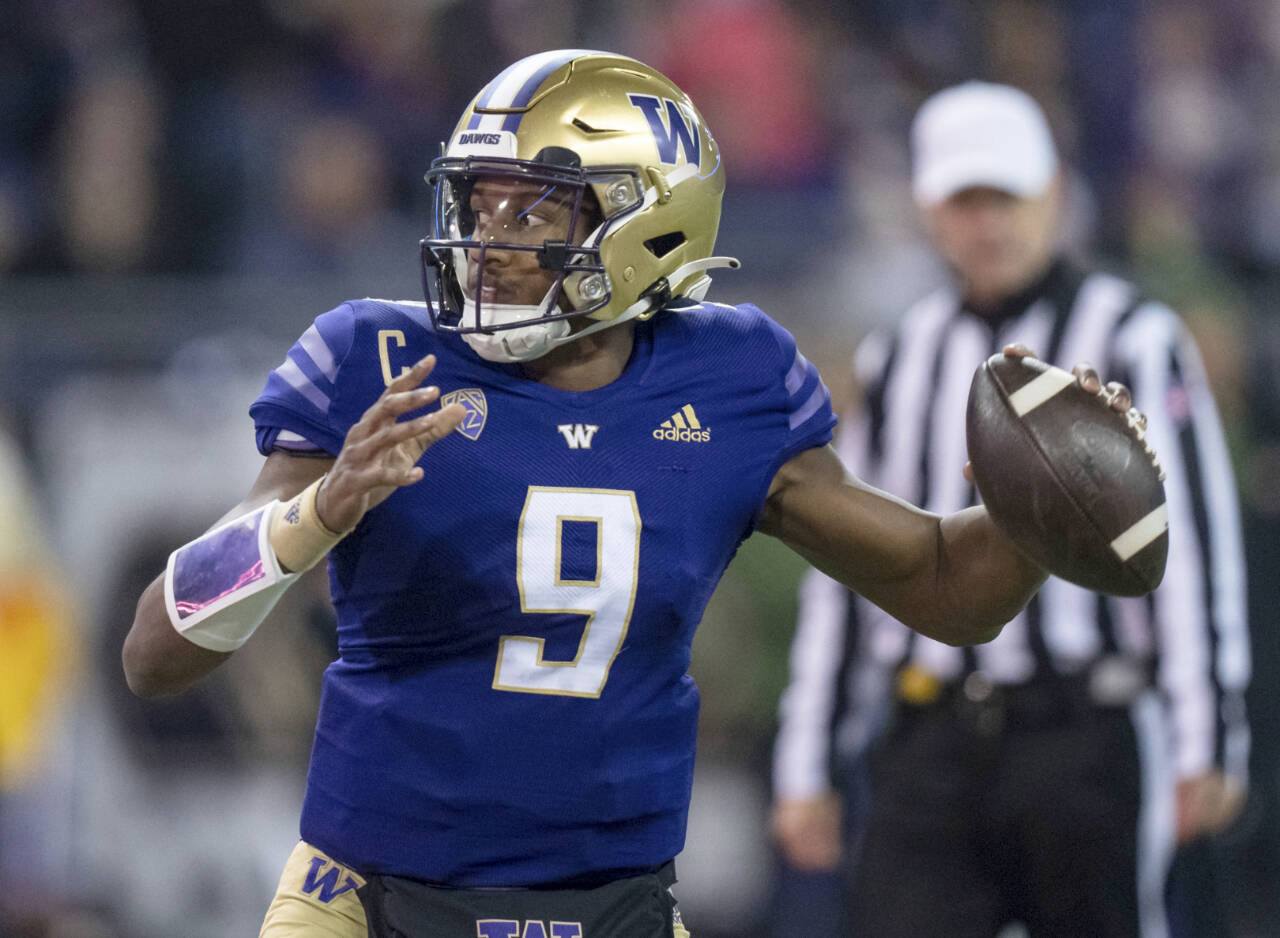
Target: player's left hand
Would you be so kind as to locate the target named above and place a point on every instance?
(381, 451)
(1207, 803)
(1118, 396)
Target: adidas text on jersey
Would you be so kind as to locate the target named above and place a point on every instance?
(683, 426)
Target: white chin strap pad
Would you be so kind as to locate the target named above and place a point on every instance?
(525, 343)
(521, 344)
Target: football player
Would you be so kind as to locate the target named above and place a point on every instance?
(521, 549)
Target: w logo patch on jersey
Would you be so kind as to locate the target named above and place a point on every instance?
(578, 435)
(678, 132)
(476, 406)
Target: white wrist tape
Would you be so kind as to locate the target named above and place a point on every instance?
(219, 587)
(299, 538)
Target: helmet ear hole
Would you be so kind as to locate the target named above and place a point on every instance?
(663, 245)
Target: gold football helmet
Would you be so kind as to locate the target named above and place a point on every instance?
(633, 175)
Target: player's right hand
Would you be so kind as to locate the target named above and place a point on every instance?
(381, 452)
(808, 830)
(1118, 396)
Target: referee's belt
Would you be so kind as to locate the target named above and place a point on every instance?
(1110, 682)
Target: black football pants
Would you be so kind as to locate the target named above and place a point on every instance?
(975, 823)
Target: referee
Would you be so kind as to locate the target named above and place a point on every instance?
(1046, 777)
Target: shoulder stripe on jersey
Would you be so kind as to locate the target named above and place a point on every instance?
(293, 376)
(315, 346)
(819, 397)
(795, 377)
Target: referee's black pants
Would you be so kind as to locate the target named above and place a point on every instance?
(1024, 808)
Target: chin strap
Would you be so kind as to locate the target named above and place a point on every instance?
(526, 343)
(655, 299)
(522, 343)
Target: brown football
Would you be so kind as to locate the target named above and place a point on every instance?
(1070, 481)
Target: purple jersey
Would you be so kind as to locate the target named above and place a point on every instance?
(511, 703)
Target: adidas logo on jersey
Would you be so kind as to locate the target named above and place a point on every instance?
(683, 427)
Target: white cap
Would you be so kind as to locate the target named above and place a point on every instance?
(980, 134)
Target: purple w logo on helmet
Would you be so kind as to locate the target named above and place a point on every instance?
(679, 131)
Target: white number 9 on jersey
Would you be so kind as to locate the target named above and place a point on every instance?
(607, 600)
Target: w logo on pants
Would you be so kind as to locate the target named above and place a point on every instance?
(327, 885)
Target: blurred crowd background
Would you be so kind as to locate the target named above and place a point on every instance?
(184, 184)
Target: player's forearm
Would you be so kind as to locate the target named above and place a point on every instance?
(157, 661)
(983, 580)
(218, 588)
(953, 579)
(971, 585)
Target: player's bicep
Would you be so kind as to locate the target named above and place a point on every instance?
(855, 533)
(954, 579)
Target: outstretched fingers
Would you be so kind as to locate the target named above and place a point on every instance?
(438, 425)
(1087, 377)
(435, 427)
(1117, 395)
(414, 436)
(413, 376)
(402, 395)
(381, 451)
(1018, 350)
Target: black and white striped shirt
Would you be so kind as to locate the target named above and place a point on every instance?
(909, 439)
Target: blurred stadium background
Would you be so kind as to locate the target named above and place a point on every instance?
(184, 184)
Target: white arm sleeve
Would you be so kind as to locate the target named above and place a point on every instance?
(219, 587)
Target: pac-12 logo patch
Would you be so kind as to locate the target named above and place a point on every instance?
(477, 410)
